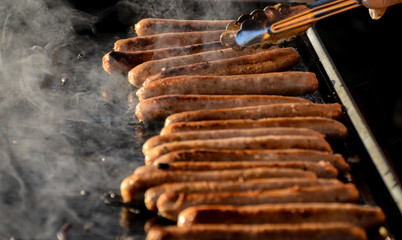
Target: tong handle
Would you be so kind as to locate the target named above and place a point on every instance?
(316, 11)
(319, 3)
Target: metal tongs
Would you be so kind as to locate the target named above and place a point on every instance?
(281, 22)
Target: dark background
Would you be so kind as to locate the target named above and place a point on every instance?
(367, 54)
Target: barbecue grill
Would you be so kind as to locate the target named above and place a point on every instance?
(68, 135)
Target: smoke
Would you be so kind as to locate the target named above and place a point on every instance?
(61, 144)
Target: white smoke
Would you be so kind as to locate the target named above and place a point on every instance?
(61, 144)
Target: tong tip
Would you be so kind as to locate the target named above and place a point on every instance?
(253, 30)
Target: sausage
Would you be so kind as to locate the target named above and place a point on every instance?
(358, 215)
(115, 61)
(261, 142)
(330, 110)
(302, 231)
(331, 128)
(170, 204)
(321, 169)
(152, 194)
(140, 73)
(165, 40)
(133, 187)
(225, 133)
(151, 26)
(276, 83)
(280, 155)
(158, 108)
(267, 61)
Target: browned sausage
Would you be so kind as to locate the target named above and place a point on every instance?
(329, 127)
(170, 204)
(363, 216)
(151, 26)
(165, 40)
(321, 169)
(124, 61)
(268, 61)
(261, 142)
(330, 110)
(226, 133)
(280, 155)
(277, 83)
(302, 231)
(158, 108)
(152, 194)
(133, 187)
(140, 73)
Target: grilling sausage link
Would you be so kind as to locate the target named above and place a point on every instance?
(140, 73)
(170, 204)
(364, 216)
(152, 194)
(279, 155)
(276, 83)
(261, 142)
(133, 187)
(115, 61)
(322, 169)
(303, 231)
(151, 26)
(329, 127)
(166, 40)
(263, 62)
(225, 133)
(158, 108)
(330, 110)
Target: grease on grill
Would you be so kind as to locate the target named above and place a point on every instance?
(111, 198)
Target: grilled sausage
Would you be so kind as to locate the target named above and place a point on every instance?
(152, 194)
(263, 62)
(303, 231)
(158, 108)
(280, 155)
(261, 142)
(165, 40)
(321, 169)
(362, 216)
(124, 61)
(170, 204)
(133, 187)
(225, 133)
(277, 83)
(151, 26)
(322, 231)
(331, 110)
(329, 127)
(140, 73)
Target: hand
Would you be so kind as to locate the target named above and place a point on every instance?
(377, 7)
